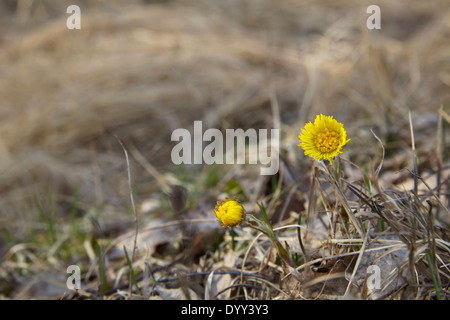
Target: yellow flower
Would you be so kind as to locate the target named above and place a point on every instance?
(324, 139)
(230, 212)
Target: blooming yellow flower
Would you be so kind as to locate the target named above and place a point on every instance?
(230, 212)
(324, 139)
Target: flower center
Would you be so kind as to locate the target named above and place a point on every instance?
(327, 141)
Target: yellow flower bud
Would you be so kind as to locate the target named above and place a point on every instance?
(230, 212)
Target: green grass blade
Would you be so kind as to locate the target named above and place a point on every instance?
(433, 275)
(264, 212)
(103, 286)
(132, 275)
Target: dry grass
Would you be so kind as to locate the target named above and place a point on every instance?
(138, 71)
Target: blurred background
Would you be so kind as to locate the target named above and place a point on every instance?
(139, 69)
